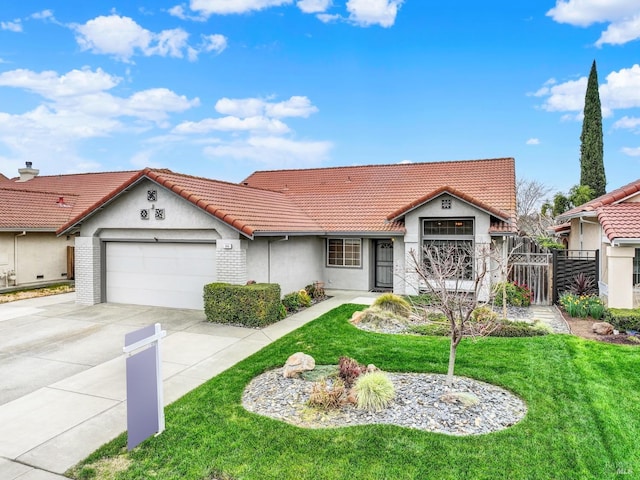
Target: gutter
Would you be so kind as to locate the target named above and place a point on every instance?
(625, 241)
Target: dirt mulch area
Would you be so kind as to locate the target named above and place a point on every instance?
(36, 292)
(581, 327)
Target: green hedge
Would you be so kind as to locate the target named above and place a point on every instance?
(253, 305)
(623, 319)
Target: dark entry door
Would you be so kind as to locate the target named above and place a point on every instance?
(384, 264)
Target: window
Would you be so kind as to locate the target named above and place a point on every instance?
(344, 252)
(636, 268)
(452, 239)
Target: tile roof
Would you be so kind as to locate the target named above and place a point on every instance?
(620, 221)
(246, 209)
(35, 205)
(615, 196)
(365, 198)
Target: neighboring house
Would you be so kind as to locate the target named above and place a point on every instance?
(611, 224)
(32, 208)
(158, 238)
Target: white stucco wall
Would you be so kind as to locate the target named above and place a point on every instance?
(293, 263)
(433, 209)
(349, 278)
(36, 257)
(183, 222)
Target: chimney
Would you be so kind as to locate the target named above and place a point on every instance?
(28, 173)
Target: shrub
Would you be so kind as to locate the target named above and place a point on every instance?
(327, 396)
(623, 319)
(422, 300)
(349, 370)
(483, 314)
(291, 302)
(507, 328)
(596, 307)
(253, 305)
(381, 318)
(582, 306)
(548, 242)
(431, 329)
(518, 295)
(582, 285)
(374, 391)
(393, 303)
(304, 299)
(316, 290)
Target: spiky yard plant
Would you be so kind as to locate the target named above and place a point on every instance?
(374, 391)
(393, 303)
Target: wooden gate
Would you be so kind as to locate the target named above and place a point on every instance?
(567, 264)
(530, 264)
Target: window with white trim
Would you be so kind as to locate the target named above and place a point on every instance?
(450, 236)
(344, 252)
(636, 267)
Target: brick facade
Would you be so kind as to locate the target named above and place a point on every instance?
(88, 275)
(231, 261)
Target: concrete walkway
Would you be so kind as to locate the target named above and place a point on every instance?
(550, 315)
(62, 393)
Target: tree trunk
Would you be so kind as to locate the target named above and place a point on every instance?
(452, 362)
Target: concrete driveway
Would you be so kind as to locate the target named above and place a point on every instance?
(63, 390)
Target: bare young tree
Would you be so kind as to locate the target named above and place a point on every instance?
(530, 196)
(454, 275)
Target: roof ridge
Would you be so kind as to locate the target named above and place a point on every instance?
(46, 192)
(13, 179)
(399, 164)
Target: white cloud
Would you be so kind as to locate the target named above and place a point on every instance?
(313, 6)
(274, 151)
(621, 32)
(15, 26)
(123, 38)
(533, 141)
(233, 124)
(632, 152)
(627, 123)
(328, 18)
(43, 15)
(224, 7)
(296, 106)
(214, 43)
(622, 15)
(621, 90)
(53, 86)
(372, 12)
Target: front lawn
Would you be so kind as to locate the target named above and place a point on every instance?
(583, 420)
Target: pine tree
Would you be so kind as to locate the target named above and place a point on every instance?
(591, 144)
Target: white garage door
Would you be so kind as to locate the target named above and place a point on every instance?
(162, 274)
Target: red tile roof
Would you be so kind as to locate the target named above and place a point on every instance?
(620, 221)
(364, 198)
(615, 196)
(34, 204)
(246, 209)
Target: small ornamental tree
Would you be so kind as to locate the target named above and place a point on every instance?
(454, 276)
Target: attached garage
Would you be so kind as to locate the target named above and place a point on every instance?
(159, 274)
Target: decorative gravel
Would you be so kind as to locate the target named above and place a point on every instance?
(417, 404)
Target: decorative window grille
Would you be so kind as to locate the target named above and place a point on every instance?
(451, 238)
(446, 204)
(152, 195)
(159, 213)
(144, 214)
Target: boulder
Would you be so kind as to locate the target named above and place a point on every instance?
(602, 328)
(297, 363)
(466, 399)
(356, 318)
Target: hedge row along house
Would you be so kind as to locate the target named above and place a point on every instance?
(158, 236)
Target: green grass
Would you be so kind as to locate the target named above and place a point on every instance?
(583, 420)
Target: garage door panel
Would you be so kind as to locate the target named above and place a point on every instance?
(170, 275)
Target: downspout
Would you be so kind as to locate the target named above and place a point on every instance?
(286, 237)
(15, 255)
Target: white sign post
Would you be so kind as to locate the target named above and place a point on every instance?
(145, 405)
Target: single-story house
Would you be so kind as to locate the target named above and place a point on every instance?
(611, 225)
(32, 209)
(160, 236)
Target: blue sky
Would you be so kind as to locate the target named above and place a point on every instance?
(221, 88)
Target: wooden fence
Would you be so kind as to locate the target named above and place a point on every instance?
(530, 264)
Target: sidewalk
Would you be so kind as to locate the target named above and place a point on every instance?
(62, 420)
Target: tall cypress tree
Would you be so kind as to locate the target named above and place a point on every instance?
(591, 144)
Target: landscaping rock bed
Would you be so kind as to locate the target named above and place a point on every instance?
(419, 404)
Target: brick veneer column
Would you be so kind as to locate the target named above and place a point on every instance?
(231, 261)
(87, 270)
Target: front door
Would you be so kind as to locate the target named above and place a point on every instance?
(384, 264)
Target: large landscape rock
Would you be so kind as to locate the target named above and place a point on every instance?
(602, 328)
(297, 363)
